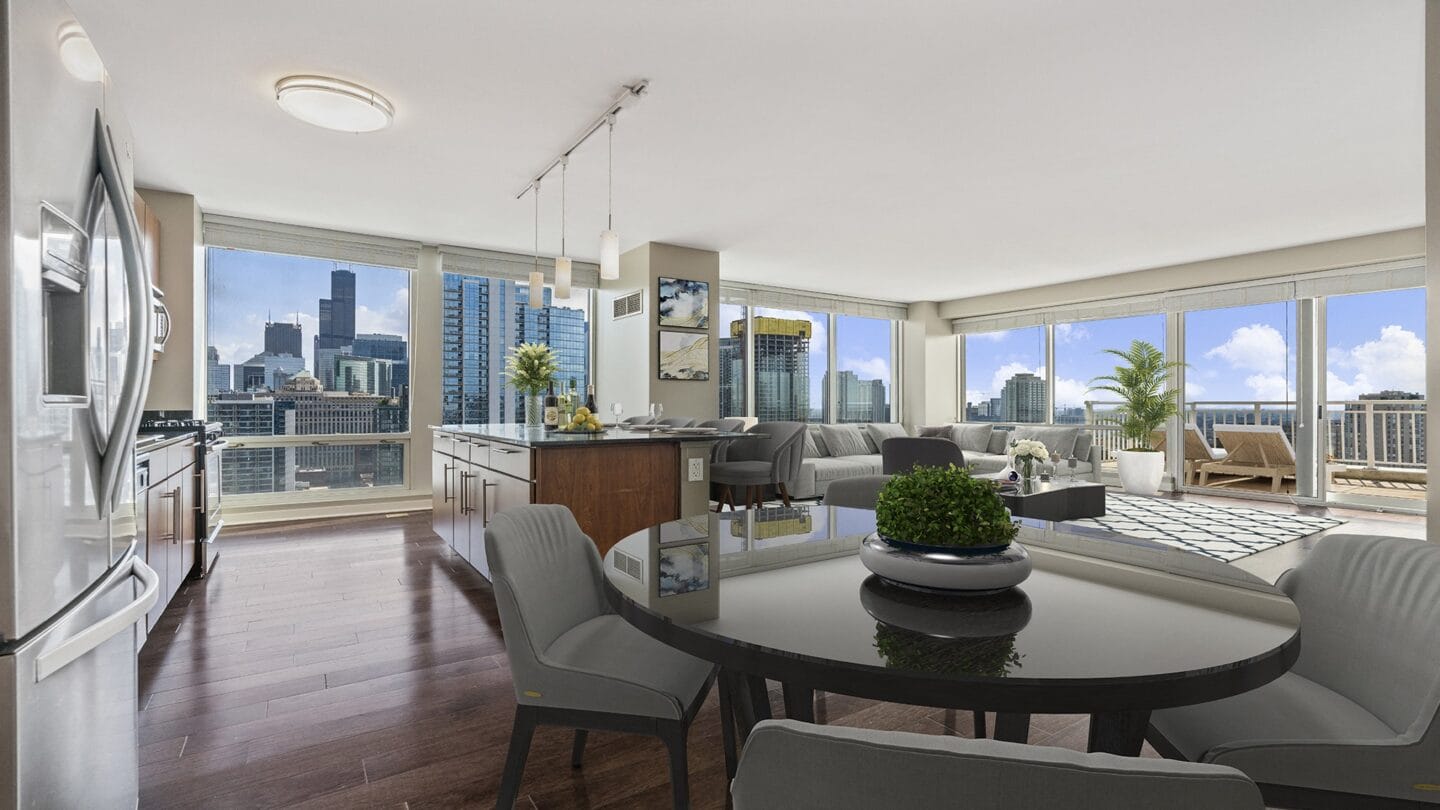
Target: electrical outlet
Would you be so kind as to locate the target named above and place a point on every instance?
(697, 470)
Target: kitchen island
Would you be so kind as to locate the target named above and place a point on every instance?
(616, 482)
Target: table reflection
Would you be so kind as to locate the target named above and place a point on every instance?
(921, 632)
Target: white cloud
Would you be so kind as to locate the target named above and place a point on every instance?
(1273, 387)
(1258, 347)
(1005, 372)
(1393, 362)
(867, 368)
(993, 337)
(1068, 392)
(1193, 390)
(1070, 333)
(1072, 393)
(392, 319)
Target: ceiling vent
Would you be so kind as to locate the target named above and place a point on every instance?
(631, 303)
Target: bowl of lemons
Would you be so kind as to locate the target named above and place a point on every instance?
(583, 422)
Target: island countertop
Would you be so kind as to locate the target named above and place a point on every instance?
(520, 435)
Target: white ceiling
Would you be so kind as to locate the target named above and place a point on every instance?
(907, 150)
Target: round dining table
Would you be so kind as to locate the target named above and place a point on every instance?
(1105, 625)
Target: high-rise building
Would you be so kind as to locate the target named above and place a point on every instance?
(251, 470)
(731, 373)
(386, 347)
(1023, 399)
(857, 400)
(217, 374)
(483, 317)
(337, 325)
(267, 372)
(364, 375)
(782, 367)
(283, 338)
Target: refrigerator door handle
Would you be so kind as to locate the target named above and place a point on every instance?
(58, 657)
(142, 330)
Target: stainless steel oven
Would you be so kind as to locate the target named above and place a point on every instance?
(210, 517)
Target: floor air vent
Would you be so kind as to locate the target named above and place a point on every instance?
(630, 303)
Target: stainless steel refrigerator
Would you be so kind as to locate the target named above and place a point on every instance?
(75, 348)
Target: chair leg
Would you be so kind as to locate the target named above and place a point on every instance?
(577, 753)
(520, 736)
(673, 734)
(784, 494)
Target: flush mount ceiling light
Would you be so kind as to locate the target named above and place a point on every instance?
(77, 54)
(334, 103)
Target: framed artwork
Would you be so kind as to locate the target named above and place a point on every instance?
(684, 569)
(684, 303)
(684, 356)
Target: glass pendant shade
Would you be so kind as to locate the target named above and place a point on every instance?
(609, 255)
(537, 289)
(562, 277)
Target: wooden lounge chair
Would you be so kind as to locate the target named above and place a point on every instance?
(1257, 450)
(1197, 450)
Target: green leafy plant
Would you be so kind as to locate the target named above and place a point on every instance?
(531, 367)
(943, 506)
(1143, 385)
(993, 657)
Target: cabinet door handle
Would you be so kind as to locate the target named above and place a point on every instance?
(505, 451)
(169, 533)
(179, 519)
(465, 508)
(445, 478)
(485, 499)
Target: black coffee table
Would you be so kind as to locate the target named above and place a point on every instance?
(781, 594)
(1055, 500)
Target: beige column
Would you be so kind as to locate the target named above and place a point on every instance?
(1432, 252)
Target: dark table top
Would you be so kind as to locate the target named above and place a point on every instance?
(1054, 485)
(781, 592)
(519, 434)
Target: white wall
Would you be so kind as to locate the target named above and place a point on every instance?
(928, 367)
(1432, 270)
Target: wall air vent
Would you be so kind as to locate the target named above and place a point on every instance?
(631, 303)
(628, 564)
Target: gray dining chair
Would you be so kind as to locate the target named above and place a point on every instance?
(1354, 722)
(639, 420)
(799, 766)
(574, 662)
(859, 492)
(760, 462)
(717, 454)
(903, 454)
(677, 421)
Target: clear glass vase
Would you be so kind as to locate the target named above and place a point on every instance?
(534, 410)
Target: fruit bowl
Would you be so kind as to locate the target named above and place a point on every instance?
(583, 422)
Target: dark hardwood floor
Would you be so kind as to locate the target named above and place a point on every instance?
(358, 663)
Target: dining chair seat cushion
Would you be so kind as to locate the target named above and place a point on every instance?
(1291, 707)
(612, 667)
(859, 492)
(799, 766)
(741, 473)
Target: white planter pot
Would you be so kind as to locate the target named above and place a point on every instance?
(1141, 471)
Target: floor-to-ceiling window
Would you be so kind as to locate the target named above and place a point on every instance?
(1375, 397)
(481, 320)
(731, 373)
(1082, 353)
(313, 348)
(1005, 376)
(864, 356)
(791, 350)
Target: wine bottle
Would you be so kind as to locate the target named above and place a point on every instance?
(590, 398)
(552, 409)
(572, 402)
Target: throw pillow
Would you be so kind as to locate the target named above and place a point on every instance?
(814, 444)
(877, 432)
(972, 438)
(1057, 439)
(844, 440)
(999, 442)
(937, 432)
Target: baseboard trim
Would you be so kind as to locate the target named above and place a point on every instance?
(239, 517)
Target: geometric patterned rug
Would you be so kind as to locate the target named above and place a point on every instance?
(1223, 532)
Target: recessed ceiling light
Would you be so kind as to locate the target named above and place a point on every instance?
(334, 103)
(77, 54)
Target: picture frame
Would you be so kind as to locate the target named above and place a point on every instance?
(683, 356)
(683, 303)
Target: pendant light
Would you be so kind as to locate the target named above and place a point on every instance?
(562, 262)
(537, 279)
(609, 240)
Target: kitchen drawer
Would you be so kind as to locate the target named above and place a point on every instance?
(443, 443)
(160, 468)
(472, 449)
(511, 460)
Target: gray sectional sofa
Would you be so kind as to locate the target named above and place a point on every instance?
(833, 452)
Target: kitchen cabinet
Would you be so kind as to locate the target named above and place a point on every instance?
(170, 498)
(149, 226)
(473, 480)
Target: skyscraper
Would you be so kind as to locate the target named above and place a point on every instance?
(283, 338)
(480, 319)
(386, 347)
(1023, 399)
(731, 373)
(217, 374)
(858, 400)
(337, 325)
(782, 367)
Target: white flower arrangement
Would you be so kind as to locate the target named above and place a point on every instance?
(1022, 449)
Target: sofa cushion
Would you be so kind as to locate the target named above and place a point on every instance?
(845, 440)
(814, 443)
(972, 438)
(986, 463)
(1056, 438)
(835, 468)
(999, 442)
(936, 431)
(877, 432)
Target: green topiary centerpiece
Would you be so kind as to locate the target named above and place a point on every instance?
(943, 506)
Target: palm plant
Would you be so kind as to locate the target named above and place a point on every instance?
(1146, 398)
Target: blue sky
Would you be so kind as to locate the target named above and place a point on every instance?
(246, 286)
(1375, 341)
